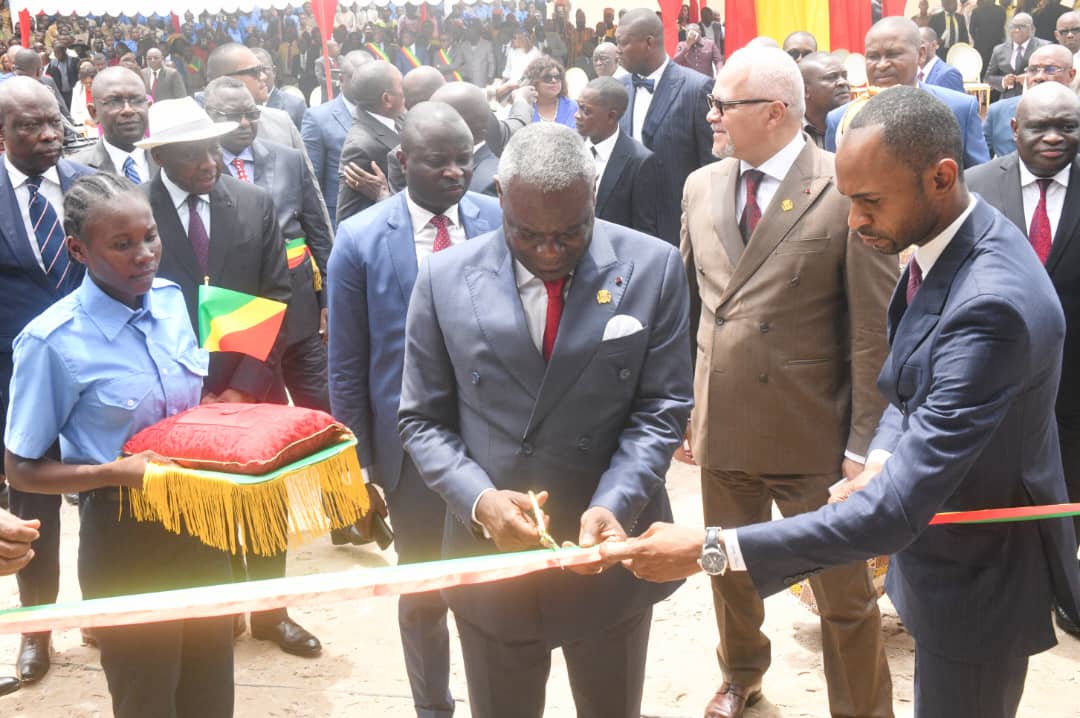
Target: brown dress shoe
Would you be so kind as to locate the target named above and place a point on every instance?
(731, 700)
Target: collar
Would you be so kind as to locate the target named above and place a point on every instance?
(522, 276)
(119, 156)
(1062, 177)
(176, 194)
(604, 148)
(349, 106)
(476, 147)
(382, 120)
(780, 163)
(927, 255)
(1022, 46)
(929, 63)
(420, 216)
(111, 316)
(18, 178)
(245, 155)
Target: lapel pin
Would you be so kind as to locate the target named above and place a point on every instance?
(787, 205)
(603, 297)
(618, 281)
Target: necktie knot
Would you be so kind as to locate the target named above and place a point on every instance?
(914, 280)
(131, 171)
(34, 182)
(441, 223)
(753, 181)
(193, 202)
(555, 288)
(1044, 184)
(642, 81)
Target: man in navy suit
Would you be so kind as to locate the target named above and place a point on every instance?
(324, 129)
(892, 58)
(666, 113)
(35, 272)
(1050, 63)
(976, 333)
(372, 270)
(933, 70)
(625, 169)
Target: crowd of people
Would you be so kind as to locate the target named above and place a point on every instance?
(707, 231)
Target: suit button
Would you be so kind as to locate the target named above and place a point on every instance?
(475, 376)
(764, 327)
(719, 321)
(624, 374)
(526, 448)
(584, 443)
(700, 269)
(763, 378)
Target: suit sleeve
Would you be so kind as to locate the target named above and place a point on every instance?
(703, 133)
(315, 222)
(660, 409)
(832, 121)
(686, 250)
(869, 278)
(978, 355)
(395, 176)
(644, 196)
(975, 150)
(954, 80)
(350, 342)
(995, 73)
(349, 201)
(428, 412)
(316, 150)
(988, 131)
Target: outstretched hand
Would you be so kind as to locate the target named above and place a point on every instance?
(665, 552)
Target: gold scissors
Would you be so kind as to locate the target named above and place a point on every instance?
(538, 516)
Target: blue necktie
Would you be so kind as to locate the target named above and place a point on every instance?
(641, 81)
(131, 171)
(48, 232)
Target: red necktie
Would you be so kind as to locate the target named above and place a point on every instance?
(914, 279)
(241, 173)
(442, 235)
(751, 212)
(1039, 233)
(554, 314)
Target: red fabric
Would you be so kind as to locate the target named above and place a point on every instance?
(740, 24)
(892, 7)
(442, 234)
(554, 314)
(1039, 232)
(239, 438)
(849, 20)
(324, 11)
(241, 171)
(24, 27)
(669, 13)
(695, 11)
(752, 211)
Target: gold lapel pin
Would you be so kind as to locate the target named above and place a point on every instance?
(787, 205)
(603, 297)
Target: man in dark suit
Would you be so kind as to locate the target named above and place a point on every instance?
(1005, 71)
(375, 89)
(285, 101)
(217, 229)
(1038, 188)
(333, 57)
(412, 53)
(932, 69)
(372, 271)
(950, 27)
(516, 379)
(1050, 63)
(119, 107)
(35, 272)
(324, 129)
(976, 336)
(666, 112)
(987, 28)
(63, 68)
(893, 48)
(625, 170)
(162, 83)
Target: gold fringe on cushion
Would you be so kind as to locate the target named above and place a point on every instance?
(256, 517)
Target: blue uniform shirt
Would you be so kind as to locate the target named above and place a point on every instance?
(93, 372)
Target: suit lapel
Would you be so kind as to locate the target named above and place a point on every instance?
(798, 191)
(471, 221)
(401, 246)
(620, 155)
(1070, 217)
(667, 89)
(725, 178)
(1012, 198)
(378, 130)
(341, 114)
(222, 226)
(264, 166)
(15, 232)
(174, 239)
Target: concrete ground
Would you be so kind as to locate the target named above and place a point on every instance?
(361, 672)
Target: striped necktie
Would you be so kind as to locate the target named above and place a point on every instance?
(48, 232)
(131, 171)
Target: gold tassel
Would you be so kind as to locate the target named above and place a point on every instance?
(299, 504)
(315, 273)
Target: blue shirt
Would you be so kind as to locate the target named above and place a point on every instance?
(246, 157)
(564, 113)
(93, 372)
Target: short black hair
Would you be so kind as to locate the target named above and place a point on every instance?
(610, 93)
(87, 194)
(919, 129)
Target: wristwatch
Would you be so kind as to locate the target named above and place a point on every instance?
(713, 561)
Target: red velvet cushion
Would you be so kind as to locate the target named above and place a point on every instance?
(239, 438)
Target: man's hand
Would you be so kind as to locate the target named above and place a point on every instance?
(527, 93)
(323, 317)
(685, 454)
(129, 470)
(16, 535)
(372, 185)
(365, 525)
(508, 517)
(666, 552)
(692, 38)
(853, 484)
(598, 524)
(234, 396)
(851, 468)
(1009, 81)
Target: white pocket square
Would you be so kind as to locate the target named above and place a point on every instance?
(621, 325)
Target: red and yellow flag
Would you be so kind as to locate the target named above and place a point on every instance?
(232, 321)
(837, 24)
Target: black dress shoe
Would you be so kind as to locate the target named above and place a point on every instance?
(8, 685)
(33, 661)
(1065, 623)
(349, 534)
(290, 636)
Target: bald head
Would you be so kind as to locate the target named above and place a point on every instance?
(1046, 128)
(1067, 31)
(372, 85)
(763, 41)
(641, 22)
(605, 59)
(640, 40)
(428, 119)
(1051, 63)
(420, 84)
(893, 52)
(767, 72)
(18, 90)
(470, 102)
(228, 58)
(33, 128)
(27, 63)
(799, 44)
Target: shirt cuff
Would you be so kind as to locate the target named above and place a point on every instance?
(487, 534)
(878, 456)
(857, 458)
(735, 561)
(364, 475)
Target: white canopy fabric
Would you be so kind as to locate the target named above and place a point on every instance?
(164, 7)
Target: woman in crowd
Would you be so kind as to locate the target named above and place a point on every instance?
(521, 53)
(547, 75)
(113, 357)
(80, 98)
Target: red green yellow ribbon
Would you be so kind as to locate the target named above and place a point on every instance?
(1018, 513)
(296, 251)
(445, 58)
(413, 59)
(377, 52)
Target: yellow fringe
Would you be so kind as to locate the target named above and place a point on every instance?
(316, 274)
(254, 518)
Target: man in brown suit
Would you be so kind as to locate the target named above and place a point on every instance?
(790, 324)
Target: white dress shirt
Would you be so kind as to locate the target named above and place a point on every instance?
(643, 99)
(50, 188)
(776, 168)
(245, 157)
(601, 152)
(383, 120)
(424, 231)
(119, 157)
(179, 201)
(924, 71)
(1055, 195)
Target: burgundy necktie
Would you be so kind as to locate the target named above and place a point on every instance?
(554, 314)
(200, 240)
(914, 279)
(1039, 232)
(442, 234)
(751, 212)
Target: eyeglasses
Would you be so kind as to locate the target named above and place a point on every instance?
(1069, 31)
(251, 115)
(797, 54)
(551, 78)
(719, 105)
(1044, 69)
(137, 102)
(255, 71)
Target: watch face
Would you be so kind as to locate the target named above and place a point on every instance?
(713, 562)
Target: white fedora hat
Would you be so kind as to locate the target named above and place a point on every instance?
(181, 120)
